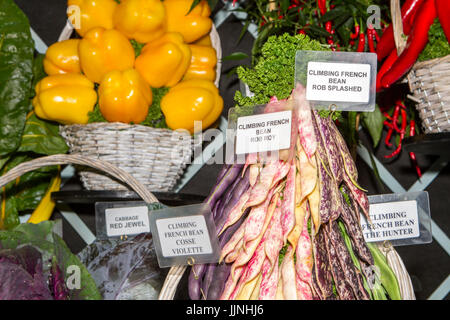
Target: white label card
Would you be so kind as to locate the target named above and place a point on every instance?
(391, 221)
(263, 132)
(184, 236)
(338, 82)
(126, 221)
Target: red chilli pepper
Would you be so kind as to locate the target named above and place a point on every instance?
(322, 4)
(417, 41)
(361, 42)
(412, 155)
(375, 34)
(387, 65)
(386, 44)
(354, 35)
(443, 11)
(402, 135)
(370, 39)
(391, 126)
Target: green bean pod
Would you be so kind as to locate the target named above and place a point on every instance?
(388, 279)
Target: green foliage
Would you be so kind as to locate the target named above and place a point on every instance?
(25, 193)
(22, 137)
(155, 117)
(437, 46)
(16, 63)
(273, 74)
(137, 47)
(42, 137)
(373, 122)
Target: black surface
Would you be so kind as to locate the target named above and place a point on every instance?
(428, 265)
(432, 143)
(90, 197)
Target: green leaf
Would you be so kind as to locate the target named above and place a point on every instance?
(27, 233)
(16, 58)
(3, 160)
(38, 71)
(232, 71)
(333, 14)
(318, 31)
(373, 122)
(26, 192)
(285, 5)
(235, 56)
(42, 137)
(212, 4)
(243, 31)
(193, 5)
(65, 259)
(96, 115)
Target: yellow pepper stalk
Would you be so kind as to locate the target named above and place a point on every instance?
(65, 98)
(92, 13)
(62, 57)
(141, 20)
(44, 210)
(189, 101)
(192, 26)
(102, 51)
(203, 63)
(124, 96)
(164, 61)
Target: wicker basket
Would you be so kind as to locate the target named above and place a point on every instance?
(429, 82)
(175, 273)
(156, 157)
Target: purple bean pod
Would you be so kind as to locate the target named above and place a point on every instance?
(221, 187)
(216, 275)
(240, 189)
(226, 198)
(230, 175)
(222, 172)
(217, 207)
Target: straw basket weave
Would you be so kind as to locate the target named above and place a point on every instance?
(175, 273)
(156, 157)
(429, 82)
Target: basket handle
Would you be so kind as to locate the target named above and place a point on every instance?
(397, 26)
(61, 159)
(399, 37)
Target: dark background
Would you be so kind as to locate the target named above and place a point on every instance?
(428, 265)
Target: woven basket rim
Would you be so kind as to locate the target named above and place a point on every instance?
(431, 62)
(113, 125)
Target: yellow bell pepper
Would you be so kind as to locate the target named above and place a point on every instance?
(203, 63)
(192, 26)
(62, 57)
(189, 101)
(124, 96)
(65, 98)
(164, 61)
(102, 51)
(89, 14)
(204, 41)
(141, 20)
